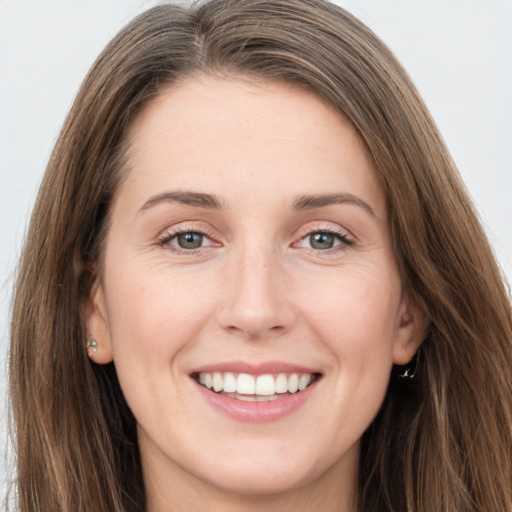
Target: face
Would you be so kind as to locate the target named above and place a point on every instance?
(249, 295)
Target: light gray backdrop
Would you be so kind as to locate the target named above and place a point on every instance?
(458, 52)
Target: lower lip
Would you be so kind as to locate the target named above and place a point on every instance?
(257, 412)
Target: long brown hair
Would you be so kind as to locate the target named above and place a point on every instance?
(442, 441)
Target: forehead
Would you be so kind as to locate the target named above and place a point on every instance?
(216, 135)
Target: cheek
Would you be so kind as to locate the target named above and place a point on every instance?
(355, 308)
(154, 322)
(355, 315)
(153, 315)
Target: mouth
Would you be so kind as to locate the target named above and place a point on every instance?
(255, 388)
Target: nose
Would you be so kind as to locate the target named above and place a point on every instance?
(256, 294)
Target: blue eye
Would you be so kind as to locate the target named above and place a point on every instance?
(322, 240)
(185, 240)
(190, 240)
(325, 240)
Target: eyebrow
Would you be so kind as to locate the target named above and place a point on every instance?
(208, 201)
(309, 202)
(197, 199)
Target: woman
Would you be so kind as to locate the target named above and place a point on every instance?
(253, 281)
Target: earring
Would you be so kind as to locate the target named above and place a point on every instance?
(410, 371)
(92, 345)
(407, 374)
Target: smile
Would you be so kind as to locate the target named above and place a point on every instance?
(252, 388)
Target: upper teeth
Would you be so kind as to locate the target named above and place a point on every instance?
(246, 384)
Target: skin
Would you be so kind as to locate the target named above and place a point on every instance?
(256, 290)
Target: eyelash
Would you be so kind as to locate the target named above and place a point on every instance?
(342, 236)
(167, 238)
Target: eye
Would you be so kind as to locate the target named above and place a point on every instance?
(321, 240)
(325, 240)
(191, 240)
(186, 240)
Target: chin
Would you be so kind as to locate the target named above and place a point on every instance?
(260, 479)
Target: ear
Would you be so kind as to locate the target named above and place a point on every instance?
(411, 329)
(96, 320)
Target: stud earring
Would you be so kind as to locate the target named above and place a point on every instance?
(92, 345)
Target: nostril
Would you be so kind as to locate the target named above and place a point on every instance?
(252, 332)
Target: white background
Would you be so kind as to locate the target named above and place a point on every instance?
(458, 52)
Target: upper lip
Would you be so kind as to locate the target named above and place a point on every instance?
(268, 367)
